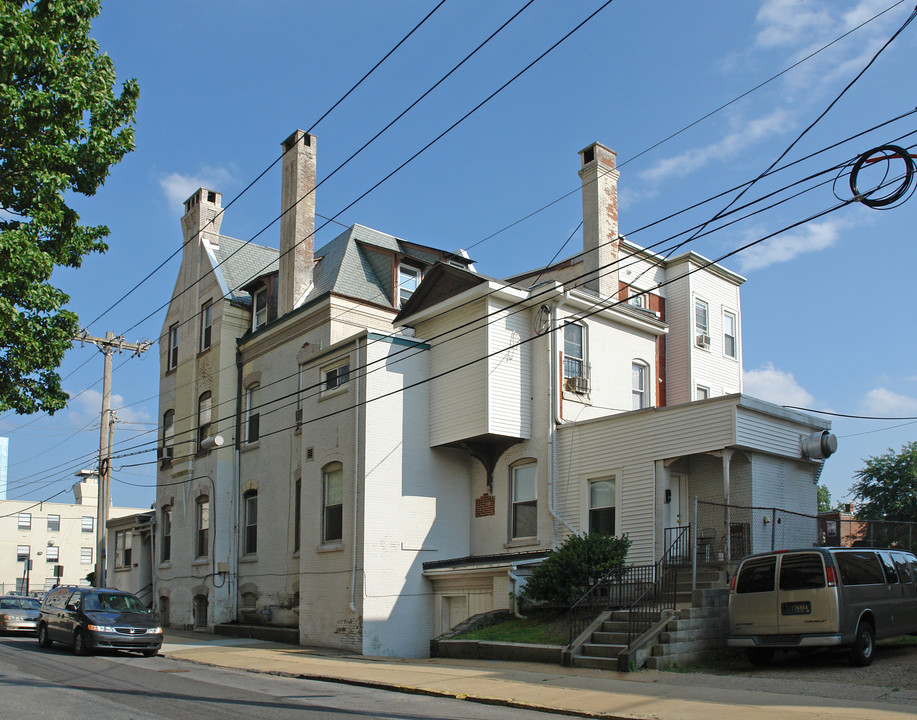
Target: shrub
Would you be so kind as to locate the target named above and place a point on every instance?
(568, 572)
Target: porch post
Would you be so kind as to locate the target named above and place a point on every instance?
(727, 459)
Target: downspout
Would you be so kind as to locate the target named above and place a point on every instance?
(356, 477)
(234, 507)
(553, 421)
(513, 582)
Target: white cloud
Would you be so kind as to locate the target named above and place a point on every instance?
(748, 132)
(776, 386)
(89, 405)
(811, 237)
(787, 22)
(178, 187)
(881, 401)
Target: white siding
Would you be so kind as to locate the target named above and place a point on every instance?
(509, 373)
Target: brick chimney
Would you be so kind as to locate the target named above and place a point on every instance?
(599, 178)
(297, 225)
(203, 216)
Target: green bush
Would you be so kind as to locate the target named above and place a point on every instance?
(568, 572)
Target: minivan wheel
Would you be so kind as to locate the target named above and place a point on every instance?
(760, 657)
(862, 650)
(43, 639)
(79, 643)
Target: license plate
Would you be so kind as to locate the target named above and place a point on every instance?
(796, 608)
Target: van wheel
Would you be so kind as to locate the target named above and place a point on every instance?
(864, 645)
(760, 657)
(79, 643)
(43, 639)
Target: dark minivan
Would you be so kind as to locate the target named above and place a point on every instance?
(97, 618)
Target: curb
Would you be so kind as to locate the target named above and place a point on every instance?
(410, 690)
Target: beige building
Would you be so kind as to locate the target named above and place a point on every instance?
(370, 441)
(43, 544)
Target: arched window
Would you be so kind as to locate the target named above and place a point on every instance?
(168, 434)
(250, 540)
(332, 503)
(204, 409)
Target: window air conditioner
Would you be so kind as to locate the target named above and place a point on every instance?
(298, 418)
(165, 453)
(703, 341)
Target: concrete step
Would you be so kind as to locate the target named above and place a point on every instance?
(611, 626)
(610, 638)
(606, 650)
(599, 663)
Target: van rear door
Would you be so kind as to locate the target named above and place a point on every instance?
(805, 601)
(752, 607)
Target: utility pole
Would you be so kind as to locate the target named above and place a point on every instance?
(107, 347)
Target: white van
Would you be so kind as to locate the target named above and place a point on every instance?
(820, 597)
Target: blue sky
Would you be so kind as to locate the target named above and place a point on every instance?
(826, 307)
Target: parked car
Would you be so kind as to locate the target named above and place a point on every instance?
(97, 618)
(18, 614)
(822, 597)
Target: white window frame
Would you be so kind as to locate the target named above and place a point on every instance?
(88, 523)
(165, 536)
(123, 543)
(53, 523)
(202, 527)
(590, 508)
(204, 417)
(250, 525)
(523, 494)
(638, 299)
(52, 554)
(702, 326)
(259, 314)
(23, 552)
(729, 315)
(701, 392)
(409, 278)
(172, 357)
(335, 377)
(24, 521)
(642, 395)
(206, 325)
(575, 362)
(251, 415)
(86, 556)
(332, 475)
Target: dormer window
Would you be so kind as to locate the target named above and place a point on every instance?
(259, 308)
(408, 280)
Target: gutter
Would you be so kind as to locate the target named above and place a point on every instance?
(554, 421)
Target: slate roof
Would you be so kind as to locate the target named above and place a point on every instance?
(241, 262)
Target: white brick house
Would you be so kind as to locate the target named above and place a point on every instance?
(403, 433)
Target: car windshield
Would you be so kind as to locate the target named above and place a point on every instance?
(19, 603)
(112, 602)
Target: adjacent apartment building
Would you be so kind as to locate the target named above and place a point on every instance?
(43, 544)
(371, 440)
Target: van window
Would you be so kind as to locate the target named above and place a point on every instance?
(859, 568)
(891, 573)
(757, 575)
(802, 571)
(904, 572)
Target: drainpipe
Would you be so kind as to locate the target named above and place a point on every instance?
(356, 476)
(513, 581)
(234, 506)
(553, 422)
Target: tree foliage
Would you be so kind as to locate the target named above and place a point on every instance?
(568, 572)
(886, 487)
(824, 498)
(61, 128)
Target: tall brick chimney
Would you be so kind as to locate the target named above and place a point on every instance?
(202, 216)
(297, 203)
(599, 178)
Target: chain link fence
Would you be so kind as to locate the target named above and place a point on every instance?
(850, 532)
(729, 532)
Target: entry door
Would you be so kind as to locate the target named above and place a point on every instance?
(675, 512)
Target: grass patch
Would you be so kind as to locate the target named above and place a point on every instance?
(540, 627)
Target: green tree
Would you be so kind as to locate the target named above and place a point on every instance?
(61, 128)
(824, 498)
(568, 572)
(886, 487)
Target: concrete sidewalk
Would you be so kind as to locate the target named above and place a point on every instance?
(571, 691)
